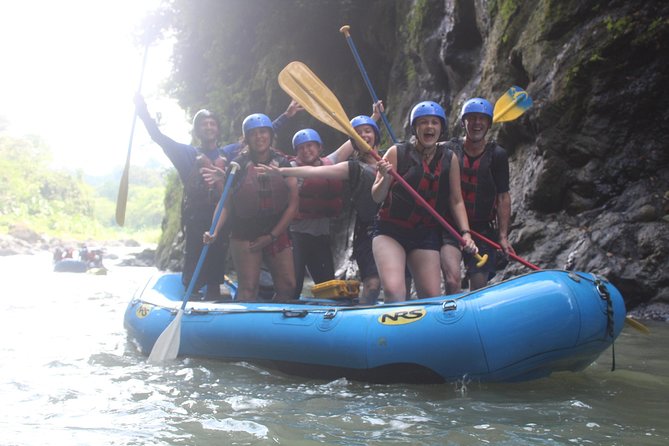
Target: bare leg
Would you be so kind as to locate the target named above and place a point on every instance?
(451, 257)
(248, 270)
(390, 260)
(283, 274)
(424, 267)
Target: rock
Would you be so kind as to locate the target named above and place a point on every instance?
(10, 245)
(658, 311)
(24, 233)
(645, 213)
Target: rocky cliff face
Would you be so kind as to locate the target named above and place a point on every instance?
(589, 161)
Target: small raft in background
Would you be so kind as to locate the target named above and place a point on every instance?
(70, 266)
(523, 328)
(78, 266)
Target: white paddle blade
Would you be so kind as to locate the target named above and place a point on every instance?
(167, 345)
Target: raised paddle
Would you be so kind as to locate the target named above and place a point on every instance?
(122, 197)
(167, 344)
(345, 30)
(301, 84)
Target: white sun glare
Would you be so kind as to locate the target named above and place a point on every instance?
(70, 70)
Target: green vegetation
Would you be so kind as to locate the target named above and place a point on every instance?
(618, 26)
(415, 23)
(63, 205)
(506, 8)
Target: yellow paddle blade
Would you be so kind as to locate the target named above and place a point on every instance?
(511, 105)
(637, 325)
(301, 84)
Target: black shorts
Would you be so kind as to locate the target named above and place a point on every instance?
(410, 238)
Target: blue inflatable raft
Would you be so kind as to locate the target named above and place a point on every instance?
(521, 329)
(70, 266)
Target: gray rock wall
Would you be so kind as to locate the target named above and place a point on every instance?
(589, 161)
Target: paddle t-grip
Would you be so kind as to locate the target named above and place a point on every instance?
(482, 259)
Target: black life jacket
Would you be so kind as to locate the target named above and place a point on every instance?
(319, 197)
(431, 182)
(361, 180)
(259, 195)
(477, 182)
(199, 199)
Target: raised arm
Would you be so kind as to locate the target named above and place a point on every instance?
(384, 180)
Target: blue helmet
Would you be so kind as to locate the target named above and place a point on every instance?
(476, 105)
(255, 121)
(366, 120)
(306, 135)
(428, 108)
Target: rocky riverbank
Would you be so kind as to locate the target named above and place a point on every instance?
(24, 241)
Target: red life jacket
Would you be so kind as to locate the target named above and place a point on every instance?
(400, 207)
(259, 195)
(477, 182)
(319, 197)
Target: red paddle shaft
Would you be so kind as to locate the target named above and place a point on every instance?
(512, 255)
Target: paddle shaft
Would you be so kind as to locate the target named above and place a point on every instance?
(511, 254)
(167, 345)
(217, 215)
(122, 197)
(345, 30)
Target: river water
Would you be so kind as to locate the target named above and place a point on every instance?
(68, 375)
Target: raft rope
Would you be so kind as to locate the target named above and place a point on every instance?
(604, 294)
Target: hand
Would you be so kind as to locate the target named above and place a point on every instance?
(469, 246)
(506, 246)
(265, 169)
(384, 167)
(293, 108)
(377, 110)
(260, 243)
(208, 238)
(212, 175)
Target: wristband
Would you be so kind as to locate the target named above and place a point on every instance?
(465, 231)
(273, 237)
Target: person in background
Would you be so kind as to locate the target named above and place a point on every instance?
(58, 254)
(260, 208)
(360, 172)
(405, 233)
(484, 178)
(199, 199)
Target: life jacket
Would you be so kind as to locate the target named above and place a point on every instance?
(319, 197)
(477, 182)
(400, 207)
(360, 184)
(199, 199)
(258, 195)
